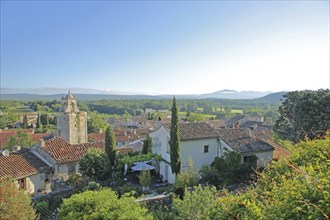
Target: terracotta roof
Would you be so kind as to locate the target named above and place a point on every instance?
(20, 164)
(240, 140)
(193, 131)
(216, 123)
(279, 152)
(234, 119)
(96, 136)
(63, 152)
(13, 131)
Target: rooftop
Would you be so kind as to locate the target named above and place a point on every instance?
(21, 164)
(241, 141)
(193, 131)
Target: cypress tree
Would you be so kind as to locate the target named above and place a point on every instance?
(25, 121)
(110, 145)
(147, 145)
(175, 140)
(39, 124)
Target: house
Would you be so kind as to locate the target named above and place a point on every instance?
(202, 143)
(198, 142)
(62, 156)
(29, 172)
(243, 142)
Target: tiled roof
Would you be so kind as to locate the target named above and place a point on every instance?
(20, 164)
(216, 123)
(193, 131)
(240, 140)
(63, 152)
(125, 150)
(234, 119)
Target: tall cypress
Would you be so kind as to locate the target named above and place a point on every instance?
(25, 121)
(110, 145)
(147, 145)
(175, 140)
(39, 124)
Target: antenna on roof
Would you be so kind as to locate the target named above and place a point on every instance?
(5, 153)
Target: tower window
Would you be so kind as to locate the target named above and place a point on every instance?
(206, 148)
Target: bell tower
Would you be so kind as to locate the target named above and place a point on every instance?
(71, 123)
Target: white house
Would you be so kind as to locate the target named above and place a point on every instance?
(198, 141)
(202, 143)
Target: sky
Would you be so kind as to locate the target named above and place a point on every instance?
(165, 47)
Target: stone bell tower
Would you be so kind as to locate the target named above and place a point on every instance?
(71, 123)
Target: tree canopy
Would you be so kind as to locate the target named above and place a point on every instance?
(102, 204)
(95, 164)
(304, 114)
(14, 203)
(147, 145)
(110, 145)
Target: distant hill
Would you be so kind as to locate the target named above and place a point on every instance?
(269, 98)
(273, 97)
(97, 94)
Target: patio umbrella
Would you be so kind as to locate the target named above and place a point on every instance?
(142, 166)
(143, 162)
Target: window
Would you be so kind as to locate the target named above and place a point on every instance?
(22, 184)
(206, 148)
(252, 159)
(71, 168)
(168, 145)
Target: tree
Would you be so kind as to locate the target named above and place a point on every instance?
(188, 178)
(102, 204)
(145, 178)
(25, 121)
(95, 164)
(39, 124)
(20, 139)
(110, 145)
(147, 145)
(174, 141)
(14, 203)
(199, 203)
(303, 114)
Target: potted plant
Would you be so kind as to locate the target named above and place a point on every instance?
(145, 179)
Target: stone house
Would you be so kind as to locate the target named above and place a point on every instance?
(29, 172)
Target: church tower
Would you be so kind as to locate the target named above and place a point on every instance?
(72, 123)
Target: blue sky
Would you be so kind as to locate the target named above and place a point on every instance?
(167, 47)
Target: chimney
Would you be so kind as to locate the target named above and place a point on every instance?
(134, 131)
(16, 148)
(250, 131)
(41, 143)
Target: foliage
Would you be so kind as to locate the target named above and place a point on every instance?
(145, 178)
(110, 145)
(95, 164)
(130, 160)
(187, 178)
(20, 139)
(231, 168)
(199, 203)
(25, 121)
(7, 120)
(174, 141)
(102, 204)
(147, 145)
(96, 122)
(79, 183)
(209, 175)
(123, 188)
(292, 188)
(14, 203)
(304, 114)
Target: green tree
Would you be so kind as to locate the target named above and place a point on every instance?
(39, 124)
(25, 121)
(147, 145)
(145, 178)
(14, 203)
(198, 204)
(95, 165)
(102, 204)
(304, 114)
(20, 139)
(110, 145)
(174, 141)
(7, 120)
(187, 178)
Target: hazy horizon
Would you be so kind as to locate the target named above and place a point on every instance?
(166, 47)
